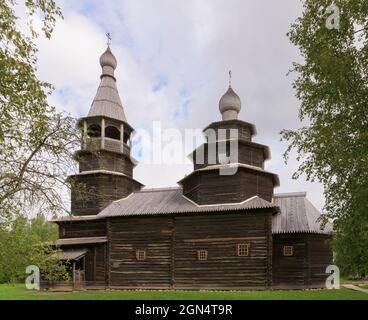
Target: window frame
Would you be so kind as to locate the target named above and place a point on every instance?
(288, 251)
(243, 253)
(141, 254)
(202, 255)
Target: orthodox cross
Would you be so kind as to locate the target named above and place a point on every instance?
(229, 78)
(108, 35)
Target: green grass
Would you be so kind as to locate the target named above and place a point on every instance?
(18, 292)
(365, 286)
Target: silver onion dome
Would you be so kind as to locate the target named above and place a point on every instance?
(108, 59)
(230, 105)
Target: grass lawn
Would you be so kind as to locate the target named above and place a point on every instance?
(18, 292)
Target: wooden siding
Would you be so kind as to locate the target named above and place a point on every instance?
(319, 257)
(289, 272)
(82, 229)
(100, 190)
(208, 187)
(219, 235)
(248, 153)
(130, 234)
(306, 268)
(245, 130)
(103, 160)
(171, 246)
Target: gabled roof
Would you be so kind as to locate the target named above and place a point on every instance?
(297, 215)
(171, 200)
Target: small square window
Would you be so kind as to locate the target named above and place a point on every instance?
(202, 255)
(243, 249)
(288, 251)
(141, 254)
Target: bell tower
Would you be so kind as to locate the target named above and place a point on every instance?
(229, 167)
(105, 163)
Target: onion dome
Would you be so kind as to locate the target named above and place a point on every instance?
(230, 105)
(108, 59)
(108, 63)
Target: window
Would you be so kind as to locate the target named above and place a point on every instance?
(288, 251)
(94, 131)
(112, 133)
(141, 254)
(202, 255)
(243, 249)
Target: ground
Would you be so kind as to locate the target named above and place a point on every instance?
(18, 292)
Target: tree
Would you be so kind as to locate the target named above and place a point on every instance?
(26, 242)
(37, 142)
(332, 85)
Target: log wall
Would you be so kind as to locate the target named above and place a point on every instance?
(94, 192)
(208, 187)
(126, 235)
(171, 245)
(82, 229)
(219, 235)
(306, 268)
(319, 257)
(103, 160)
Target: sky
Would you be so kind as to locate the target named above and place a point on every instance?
(173, 62)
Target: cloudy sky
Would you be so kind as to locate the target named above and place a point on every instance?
(173, 61)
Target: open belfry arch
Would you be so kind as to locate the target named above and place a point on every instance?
(221, 228)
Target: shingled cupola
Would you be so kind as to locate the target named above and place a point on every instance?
(105, 164)
(209, 183)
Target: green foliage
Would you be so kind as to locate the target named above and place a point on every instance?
(36, 141)
(26, 242)
(332, 86)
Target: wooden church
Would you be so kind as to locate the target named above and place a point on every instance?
(214, 231)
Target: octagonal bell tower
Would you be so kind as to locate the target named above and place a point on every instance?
(105, 163)
(221, 176)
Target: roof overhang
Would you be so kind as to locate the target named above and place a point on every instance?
(243, 166)
(233, 121)
(75, 218)
(74, 241)
(73, 255)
